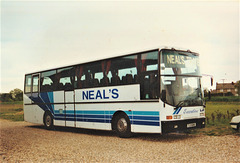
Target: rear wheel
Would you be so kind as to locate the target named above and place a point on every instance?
(123, 126)
(48, 120)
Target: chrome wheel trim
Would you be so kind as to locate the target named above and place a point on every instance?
(122, 125)
(48, 121)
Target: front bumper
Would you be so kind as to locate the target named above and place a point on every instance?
(182, 125)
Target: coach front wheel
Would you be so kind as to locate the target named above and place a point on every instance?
(123, 126)
(48, 120)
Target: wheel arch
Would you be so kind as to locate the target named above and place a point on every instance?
(115, 115)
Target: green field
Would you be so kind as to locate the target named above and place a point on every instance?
(12, 111)
(224, 99)
(223, 107)
(218, 115)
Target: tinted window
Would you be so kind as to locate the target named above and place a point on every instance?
(93, 74)
(126, 69)
(48, 81)
(65, 79)
(139, 69)
(148, 75)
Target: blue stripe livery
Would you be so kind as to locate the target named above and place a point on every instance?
(177, 111)
(41, 99)
(150, 118)
(45, 98)
(152, 113)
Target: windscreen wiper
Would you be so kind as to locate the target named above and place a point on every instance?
(179, 105)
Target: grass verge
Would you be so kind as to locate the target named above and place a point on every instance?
(12, 111)
(218, 117)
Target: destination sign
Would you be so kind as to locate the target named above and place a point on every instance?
(179, 61)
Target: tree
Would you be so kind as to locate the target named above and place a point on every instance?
(13, 95)
(5, 97)
(237, 86)
(16, 94)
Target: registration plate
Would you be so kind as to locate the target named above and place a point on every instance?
(191, 125)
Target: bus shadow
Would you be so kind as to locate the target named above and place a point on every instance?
(77, 130)
(142, 136)
(171, 137)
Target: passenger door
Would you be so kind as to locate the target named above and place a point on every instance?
(36, 100)
(35, 89)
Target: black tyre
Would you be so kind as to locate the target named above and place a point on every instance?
(48, 120)
(122, 126)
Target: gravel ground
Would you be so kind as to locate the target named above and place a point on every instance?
(25, 142)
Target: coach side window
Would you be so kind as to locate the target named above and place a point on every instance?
(28, 83)
(148, 75)
(65, 78)
(79, 76)
(92, 75)
(105, 74)
(48, 81)
(125, 68)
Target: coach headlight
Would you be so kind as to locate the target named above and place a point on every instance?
(177, 116)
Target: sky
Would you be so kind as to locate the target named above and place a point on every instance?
(47, 34)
